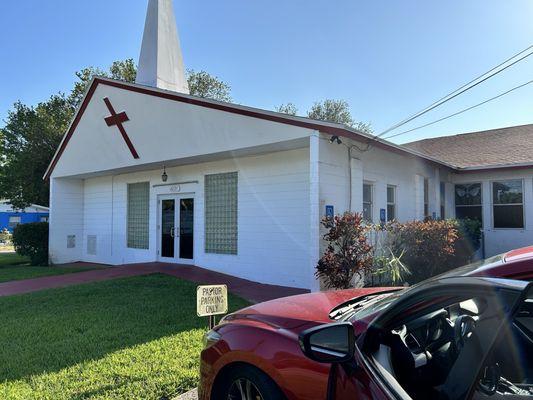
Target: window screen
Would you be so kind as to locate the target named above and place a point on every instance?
(507, 200)
(426, 197)
(391, 203)
(442, 200)
(138, 215)
(367, 202)
(468, 201)
(221, 213)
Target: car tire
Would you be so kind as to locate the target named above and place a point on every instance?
(260, 383)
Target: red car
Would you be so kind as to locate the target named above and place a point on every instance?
(467, 334)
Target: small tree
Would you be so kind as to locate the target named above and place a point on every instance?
(348, 252)
(31, 240)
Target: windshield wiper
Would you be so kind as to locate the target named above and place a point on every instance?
(352, 308)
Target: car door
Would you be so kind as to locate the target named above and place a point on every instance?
(370, 377)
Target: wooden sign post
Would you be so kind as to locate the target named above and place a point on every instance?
(211, 300)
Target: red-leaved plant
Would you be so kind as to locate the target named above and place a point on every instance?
(348, 252)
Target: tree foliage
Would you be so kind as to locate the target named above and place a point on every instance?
(337, 111)
(288, 108)
(32, 134)
(204, 85)
(124, 70)
(27, 143)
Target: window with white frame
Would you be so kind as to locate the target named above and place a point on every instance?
(221, 229)
(391, 203)
(508, 204)
(468, 205)
(138, 215)
(368, 194)
(426, 197)
(14, 221)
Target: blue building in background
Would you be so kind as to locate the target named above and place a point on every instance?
(10, 217)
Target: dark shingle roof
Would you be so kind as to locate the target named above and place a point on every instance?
(496, 147)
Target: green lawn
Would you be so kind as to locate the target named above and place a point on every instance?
(14, 268)
(132, 338)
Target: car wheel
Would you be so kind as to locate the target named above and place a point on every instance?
(248, 383)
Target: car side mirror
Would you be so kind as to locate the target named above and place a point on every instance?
(329, 343)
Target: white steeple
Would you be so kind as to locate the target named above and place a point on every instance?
(161, 62)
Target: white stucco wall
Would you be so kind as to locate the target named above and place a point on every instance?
(380, 168)
(501, 240)
(66, 219)
(273, 217)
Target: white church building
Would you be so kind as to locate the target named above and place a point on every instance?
(147, 172)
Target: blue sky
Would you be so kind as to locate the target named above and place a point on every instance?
(388, 59)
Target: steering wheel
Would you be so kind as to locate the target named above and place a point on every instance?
(463, 328)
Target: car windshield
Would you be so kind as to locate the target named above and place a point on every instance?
(366, 305)
(381, 303)
(466, 269)
(376, 303)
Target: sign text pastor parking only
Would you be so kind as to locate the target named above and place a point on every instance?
(211, 300)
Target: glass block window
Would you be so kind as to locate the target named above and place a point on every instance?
(468, 201)
(138, 215)
(508, 204)
(221, 213)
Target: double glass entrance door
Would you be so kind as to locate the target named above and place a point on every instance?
(176, 228)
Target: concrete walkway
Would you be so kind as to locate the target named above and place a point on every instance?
(251, 291)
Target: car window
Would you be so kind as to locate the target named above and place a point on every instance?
(508, 370)
(430, 344)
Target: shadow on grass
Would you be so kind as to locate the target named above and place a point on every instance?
(49, 330)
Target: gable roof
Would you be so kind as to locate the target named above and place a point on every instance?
(321, 126)
(495, 148)
(36, 206)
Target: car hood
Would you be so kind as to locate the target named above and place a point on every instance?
(298, 312)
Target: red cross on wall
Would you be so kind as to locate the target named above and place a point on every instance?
(118, 120)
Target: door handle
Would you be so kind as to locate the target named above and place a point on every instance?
(172, 232)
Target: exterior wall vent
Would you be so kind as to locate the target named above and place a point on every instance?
(91, 245)
(71, 241)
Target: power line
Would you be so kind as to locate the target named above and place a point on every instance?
(461, 111)
(467, 86)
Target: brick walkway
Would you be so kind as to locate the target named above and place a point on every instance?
(251, 291)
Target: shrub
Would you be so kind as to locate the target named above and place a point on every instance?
(429, 247)
(390, 268)
(348, 252)
(470, 230)
(31, 240)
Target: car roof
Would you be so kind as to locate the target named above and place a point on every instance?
(519, 254)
